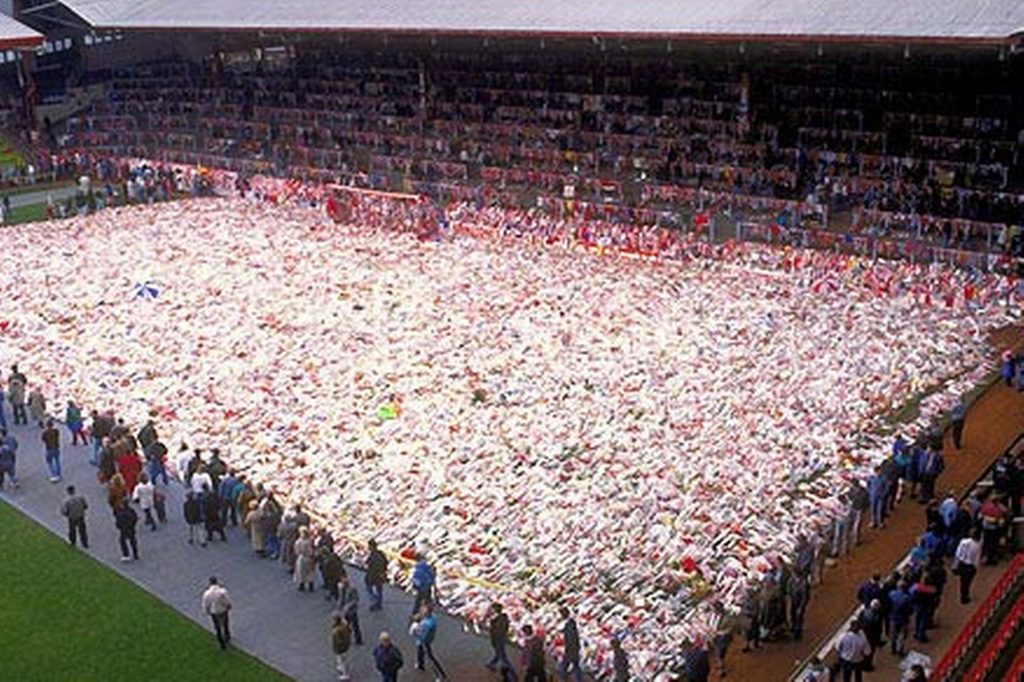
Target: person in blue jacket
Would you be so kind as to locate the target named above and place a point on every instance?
(424, 632)
(387, 658)
(423, 583)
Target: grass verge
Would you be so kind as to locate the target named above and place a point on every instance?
(67, 617)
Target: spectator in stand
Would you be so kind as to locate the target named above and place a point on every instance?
(387, 658)
(73, 509)
(376, 575)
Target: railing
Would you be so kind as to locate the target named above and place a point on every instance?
(998, 645)
(979, 627)
(1014, 577)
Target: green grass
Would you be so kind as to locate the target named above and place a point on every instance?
(38, 187)
(64, 616)
(27, 214)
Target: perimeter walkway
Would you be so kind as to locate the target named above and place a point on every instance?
(270, 619)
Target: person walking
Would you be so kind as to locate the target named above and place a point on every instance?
(423, 578)
(571, 643)
(387, 658)
(348, 606)
(51, 443)
(305, 562)
(497, 630)
(73, 420)
(534, 662)
(967, 558)
(193, 514)
(853, 648)
(341, 642)
(144, 496)
(957, 417)
(126, 520)
(217, 604)
(424, 630)
(16, 386)
(8, 458)
(376, 575)
(73, 509)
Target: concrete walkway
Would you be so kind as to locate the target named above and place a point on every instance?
(271, 620)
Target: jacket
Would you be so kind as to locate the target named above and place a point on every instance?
(425, 630)
(125, 518)
(341, 638)
(422, 575)
(388, 659)
(376, 568)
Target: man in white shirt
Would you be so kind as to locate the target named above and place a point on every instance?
(218, 605)
(967, 557)
(853, 648)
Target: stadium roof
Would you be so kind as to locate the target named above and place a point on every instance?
(14, 34)
(885, 20)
